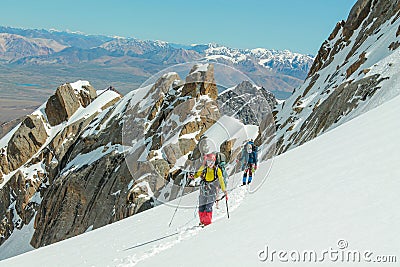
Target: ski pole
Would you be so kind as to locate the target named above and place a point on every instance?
(227, 209)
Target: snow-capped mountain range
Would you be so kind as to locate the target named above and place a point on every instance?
(285, 62)
(277, 71)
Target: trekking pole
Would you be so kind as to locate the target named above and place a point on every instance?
(227, 209)
(180, 199)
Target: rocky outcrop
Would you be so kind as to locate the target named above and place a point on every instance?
(172, 152)
(366, 15)
(226, 148)
(245, 100)
(357, 15)
(19, 200)
(25, 142)
(159, 90)
(61, 106)
(338, 105)
(37, 166)
(201, 81)
(66, 101)
(26, 188)
(94, 196)
(6, 220)
(187, 145)
(86, 95)
(4, 167)
(356, 65)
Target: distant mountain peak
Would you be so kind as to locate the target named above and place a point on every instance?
(277, 71)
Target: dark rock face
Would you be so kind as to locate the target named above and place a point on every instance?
(96, 195)
(66, 101)
(357, 15)
(26, 142)
(339, 104)
(201, 82)
(87, 95)
(244, 99)
(4, 166)
(62, 105)
(19, 190)
(363, 13)
(37, 166)
(6, 224)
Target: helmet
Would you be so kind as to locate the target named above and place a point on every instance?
(249, 148)
(209, 160)
(210, 157)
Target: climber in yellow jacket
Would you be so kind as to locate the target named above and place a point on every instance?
(211, 179)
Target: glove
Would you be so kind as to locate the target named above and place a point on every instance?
(226, 196)
(255, 167)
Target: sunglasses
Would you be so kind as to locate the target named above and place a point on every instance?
(210, 162)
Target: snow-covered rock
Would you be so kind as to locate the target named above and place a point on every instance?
(104, 158)
(354, 71)
(31, 155)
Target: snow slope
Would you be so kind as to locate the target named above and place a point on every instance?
(341, 185)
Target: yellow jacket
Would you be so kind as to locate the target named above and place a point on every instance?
(209, 177)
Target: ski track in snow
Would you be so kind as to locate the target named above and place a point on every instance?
(187, 231)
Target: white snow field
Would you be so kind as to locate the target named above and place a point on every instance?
(342, 186)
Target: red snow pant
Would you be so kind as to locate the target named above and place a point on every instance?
(205, 217)
(208, 195)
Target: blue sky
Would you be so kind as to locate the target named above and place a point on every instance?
(296, 25)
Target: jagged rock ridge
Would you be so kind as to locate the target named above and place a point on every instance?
(32, 153)
(353, 72)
